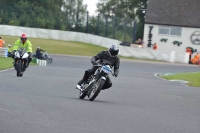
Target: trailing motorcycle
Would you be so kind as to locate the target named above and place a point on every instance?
(95, 82)
(21, 58)
(45, 56)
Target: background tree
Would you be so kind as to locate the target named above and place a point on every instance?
(125, 10)
(115, 20)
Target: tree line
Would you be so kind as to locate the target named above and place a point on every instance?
(72, 15)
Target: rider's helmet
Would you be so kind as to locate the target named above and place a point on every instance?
(38, 47)
(113, 50)
(23, 38)
(9, 45)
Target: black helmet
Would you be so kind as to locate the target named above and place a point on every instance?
(113, 50)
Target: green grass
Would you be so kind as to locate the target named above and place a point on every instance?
(5, 63)
(193, 78)
(56, 47)
(52, 47)
(59, 47)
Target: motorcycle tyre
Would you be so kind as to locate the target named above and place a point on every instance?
(19, 69)
(102, 82)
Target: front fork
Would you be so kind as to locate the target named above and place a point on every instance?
(23, 63)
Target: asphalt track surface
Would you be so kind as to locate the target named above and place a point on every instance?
(44, 100)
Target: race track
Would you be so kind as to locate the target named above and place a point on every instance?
(45, 100)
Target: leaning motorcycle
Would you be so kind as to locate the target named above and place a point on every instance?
(21, 57)
(95, 82)
(45, 56)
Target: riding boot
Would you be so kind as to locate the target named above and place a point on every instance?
(29, 60)
(85, 77)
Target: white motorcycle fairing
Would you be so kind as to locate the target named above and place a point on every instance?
(25, 56)
(17, 54)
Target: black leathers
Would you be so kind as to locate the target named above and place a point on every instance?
(101, 57)
(105, 57)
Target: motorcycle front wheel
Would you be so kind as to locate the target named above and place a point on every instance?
(82, 94)
(49, 60)
(19, 69)
(96, 89)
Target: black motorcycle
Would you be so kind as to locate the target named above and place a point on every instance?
(21, 58)
(95, 82)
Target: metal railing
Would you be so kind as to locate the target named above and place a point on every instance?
(3, 52)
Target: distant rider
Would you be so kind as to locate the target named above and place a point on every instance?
(23, 42)
(109, 57)
(39, 55)
(9, 50)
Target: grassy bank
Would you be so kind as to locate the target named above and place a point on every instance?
(5, 63)
(59, 47)
(52, 47)
(193, 78)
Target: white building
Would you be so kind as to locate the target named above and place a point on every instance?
(177, 21)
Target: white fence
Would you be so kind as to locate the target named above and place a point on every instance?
(3, 52)
(147, 53)
(41, 62)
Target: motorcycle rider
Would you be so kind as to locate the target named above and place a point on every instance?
(23, 42)
(108, 57)
(38, 53)
(9, 50)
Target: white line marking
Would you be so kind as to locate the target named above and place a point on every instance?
(6, 70)
(181, 83)
(156, 75)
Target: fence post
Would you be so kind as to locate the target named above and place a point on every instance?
(134, 32)
(106, 33)
(6, 52)
(97, 27)
(114, 27)
(87, 22)
(125, 31)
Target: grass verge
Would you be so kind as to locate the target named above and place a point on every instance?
(52, 47)
(5, 63)
(193, 78)
(59, 47)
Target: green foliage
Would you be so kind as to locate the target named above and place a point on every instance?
(129, 9)
(115, 20)
(40, 13)
(5, 63)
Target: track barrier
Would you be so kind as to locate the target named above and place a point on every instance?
(41, 62)
(3, 52)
